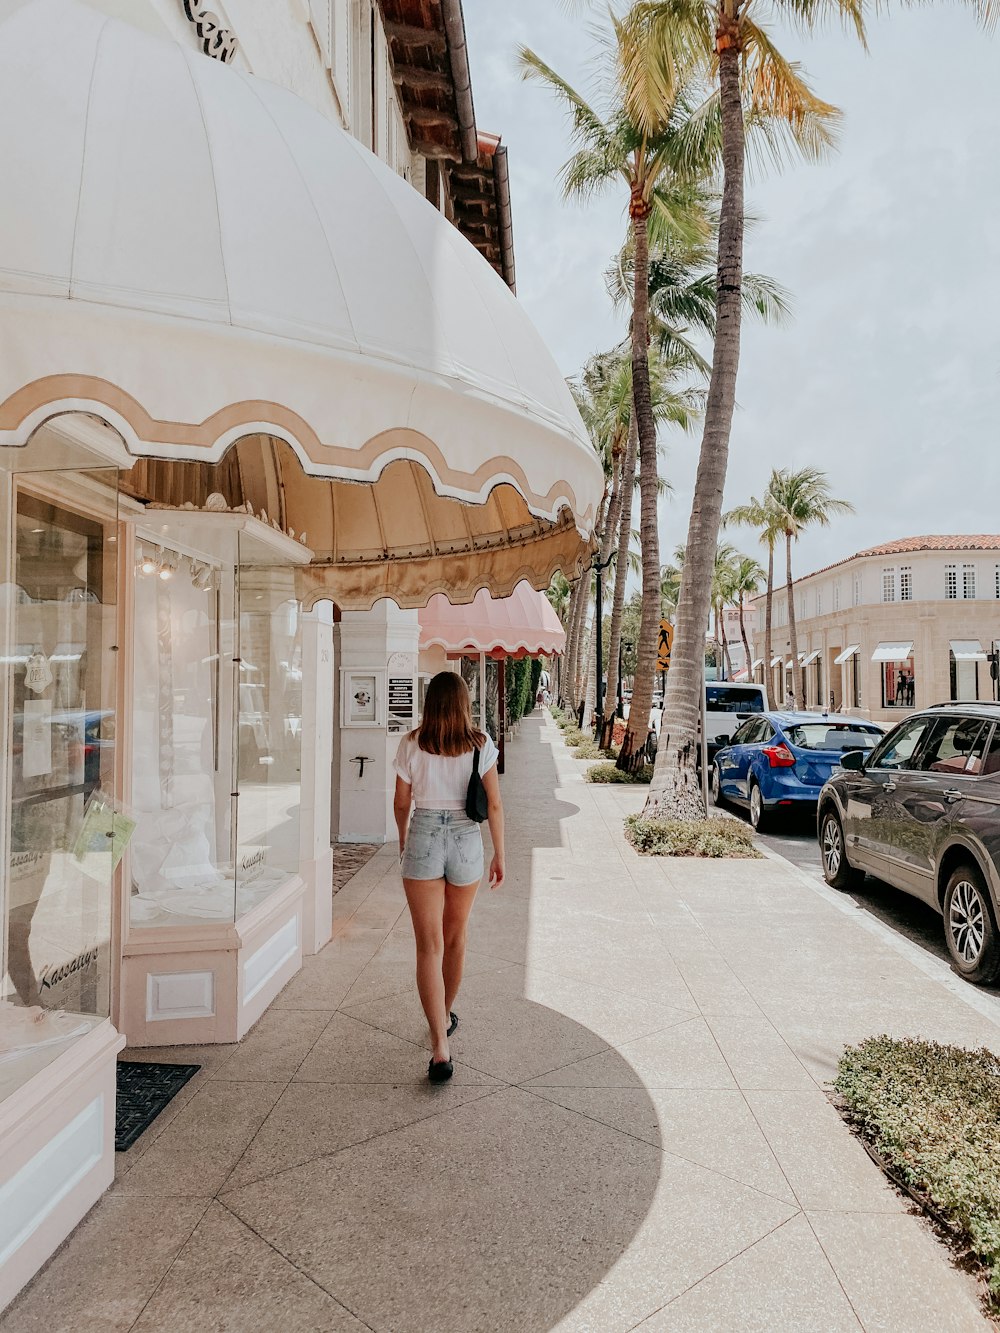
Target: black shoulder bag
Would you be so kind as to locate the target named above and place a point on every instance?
(476, 805)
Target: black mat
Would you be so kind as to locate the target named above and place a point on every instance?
(144, 1089)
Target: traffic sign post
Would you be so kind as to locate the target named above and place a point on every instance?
(663, 648)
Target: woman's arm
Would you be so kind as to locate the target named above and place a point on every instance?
(401, 803)
(494, 806)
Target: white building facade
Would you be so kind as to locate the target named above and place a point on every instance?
(899, 626)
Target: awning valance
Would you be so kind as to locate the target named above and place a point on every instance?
(849, 651)
(197, 257)
(967, 650)
(892, 652)
(522, 625)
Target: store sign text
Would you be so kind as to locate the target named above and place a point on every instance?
(216, 41)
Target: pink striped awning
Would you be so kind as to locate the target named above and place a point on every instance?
(521, 625)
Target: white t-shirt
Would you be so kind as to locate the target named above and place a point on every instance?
(440, 782)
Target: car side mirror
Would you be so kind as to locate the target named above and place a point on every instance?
(723, 740)
(853, 760)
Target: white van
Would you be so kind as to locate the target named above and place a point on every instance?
(727, 704)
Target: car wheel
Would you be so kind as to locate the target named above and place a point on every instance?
(837, 870)
(716, 783)
(969, 929)
(759, 818)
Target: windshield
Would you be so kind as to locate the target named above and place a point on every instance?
(823, 736)
(726, 699)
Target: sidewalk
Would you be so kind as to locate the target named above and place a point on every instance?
(636, 1134)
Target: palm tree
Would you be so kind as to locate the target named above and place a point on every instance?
(762, 92)
(802, 499)
(747, 576)
(723, 574)
(661, 162)
(765, 517)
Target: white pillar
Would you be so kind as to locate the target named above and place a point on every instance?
(316, 855)
(367, 639)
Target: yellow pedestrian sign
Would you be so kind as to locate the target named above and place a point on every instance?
(664, 646)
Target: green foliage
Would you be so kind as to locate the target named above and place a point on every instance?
(557, 713)
(609, 773)
(932, 1112)
(520, 691)
(691, 837)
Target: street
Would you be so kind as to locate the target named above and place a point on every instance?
(795, 839)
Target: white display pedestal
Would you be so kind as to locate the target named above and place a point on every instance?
(318, 696)
(57, 1153)
(362, 801)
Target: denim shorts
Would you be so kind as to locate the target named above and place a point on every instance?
(443, 844)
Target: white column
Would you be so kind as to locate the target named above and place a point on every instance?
(367, 639)
(316, 855)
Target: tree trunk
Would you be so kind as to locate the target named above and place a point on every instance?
(675, 789)
(587, 656)
(717, 643)
(746, 643)
(768, 646)
(568, 674)
(621, 576)
(726, 654)
(637, 731)
(793, 636)
(609, 532)
(581, 629)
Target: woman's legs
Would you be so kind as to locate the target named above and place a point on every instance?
(458, 900)
(426, 900)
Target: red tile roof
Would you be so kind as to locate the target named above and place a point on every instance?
(983, 541)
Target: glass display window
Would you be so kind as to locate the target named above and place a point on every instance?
(898, 684)
(63, 840)
(216, 735)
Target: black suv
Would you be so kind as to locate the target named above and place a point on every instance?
(922, 812)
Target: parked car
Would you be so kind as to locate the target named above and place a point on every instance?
(777, 761)
(727, 703)
(922, 812)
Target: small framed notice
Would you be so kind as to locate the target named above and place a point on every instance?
(402, 703)
(362, 702)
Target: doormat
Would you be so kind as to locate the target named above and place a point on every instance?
(144, 1089)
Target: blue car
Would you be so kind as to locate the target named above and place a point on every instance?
(777, 761)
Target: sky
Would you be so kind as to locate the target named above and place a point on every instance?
(887, 376)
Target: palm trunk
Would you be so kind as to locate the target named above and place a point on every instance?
(746, 644)
(642, 693)
(726, 654)
(675, 789)
(768, 647)
(568, 677)
(621, 576)
(793, 637)
(609, 531)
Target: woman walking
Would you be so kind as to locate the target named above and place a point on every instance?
(441, 848)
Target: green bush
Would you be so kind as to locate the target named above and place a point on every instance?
(588, 749)
(573, 736)
(932, 1113)
(691, 837)
(609, 773)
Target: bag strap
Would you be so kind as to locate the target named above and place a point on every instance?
(475, 762)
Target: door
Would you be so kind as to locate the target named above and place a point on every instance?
(734, 761)
(871, 797)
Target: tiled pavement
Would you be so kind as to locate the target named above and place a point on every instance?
(636, 1136)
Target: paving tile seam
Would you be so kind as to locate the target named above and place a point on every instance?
(275, 1102)
(505, 966)
(487, 1089)
(833, 1269)
(349, 1147)
(163, 1276)
(291, 1262)
(615, 990)
(717, 1269)
(669, 1152)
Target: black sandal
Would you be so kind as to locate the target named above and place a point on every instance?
(440, 1071)
(454, 1023)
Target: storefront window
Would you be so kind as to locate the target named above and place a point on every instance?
(59, 682)
(898, 684)
(964, 676)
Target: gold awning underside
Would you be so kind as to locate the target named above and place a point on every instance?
(395, 537)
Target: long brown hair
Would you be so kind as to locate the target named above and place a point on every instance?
(446, 727)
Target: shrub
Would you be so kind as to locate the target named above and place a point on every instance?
(932, 1114)
(557, 712)
(609, 773)
(691, 837)
(573, 736)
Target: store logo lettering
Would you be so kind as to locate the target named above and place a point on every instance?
(216, 41)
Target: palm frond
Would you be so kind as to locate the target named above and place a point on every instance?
(782, 111)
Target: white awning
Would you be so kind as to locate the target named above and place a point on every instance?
(811, 657)
(758, 661)
(967, 650)
(849, 651)
(196, 256)
(775, 660)
(892, 652)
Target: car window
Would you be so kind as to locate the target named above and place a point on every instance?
(766, 732)
(899, 747)
(823, 735)
(991, 757)
(955, 745)
(726, 699)
(744, 733)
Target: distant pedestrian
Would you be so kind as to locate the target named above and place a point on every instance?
(441, 848)
(789, 698)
